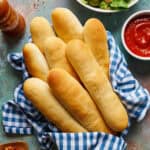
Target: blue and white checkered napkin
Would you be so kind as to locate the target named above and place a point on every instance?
(20, 117)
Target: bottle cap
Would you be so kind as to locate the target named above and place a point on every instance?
(4, 6)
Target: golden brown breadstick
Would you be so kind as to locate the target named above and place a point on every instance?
(39, 93)
(40, 30)
(76, 100)
(66, 24)
(95, 37)
(55, 53)
(35, 61)
(97, 84)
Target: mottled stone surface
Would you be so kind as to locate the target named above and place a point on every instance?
(139, 136)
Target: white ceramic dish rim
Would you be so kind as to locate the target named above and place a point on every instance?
(139, 13)
(133, 2)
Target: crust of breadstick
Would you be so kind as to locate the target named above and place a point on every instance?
(97, 84)
(39, 93)
(95, 37)
(76, 100)
(55, 53)
(66, 24)
(40, 30)
(35, 61)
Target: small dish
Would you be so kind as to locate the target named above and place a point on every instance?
(132, 3)
(140, 35)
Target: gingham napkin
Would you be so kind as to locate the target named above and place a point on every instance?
(20, 116)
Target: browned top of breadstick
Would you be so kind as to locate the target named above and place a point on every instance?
(40, 30)
(76, 100)
(39, 93)
(95, 37)
(66, 24)
(35, 61)
(97, 84)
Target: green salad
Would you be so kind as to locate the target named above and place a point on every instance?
(107, 4)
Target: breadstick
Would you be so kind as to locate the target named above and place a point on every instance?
(40, 30)
(39, 93)
(55, 53)
(97, 84)
(35, 61)
(95, 37)
(66, 24)
(76, 100)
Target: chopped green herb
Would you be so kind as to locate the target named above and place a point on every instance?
(119, 4)
(103, 4)
(94, 3)
(84, 1)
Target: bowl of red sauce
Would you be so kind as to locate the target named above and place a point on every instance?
(136, 35)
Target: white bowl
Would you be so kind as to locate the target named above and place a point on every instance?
(133, 16)
(133, 2)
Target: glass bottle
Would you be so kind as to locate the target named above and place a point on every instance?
(11, 22)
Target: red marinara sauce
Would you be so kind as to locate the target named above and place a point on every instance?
(137, 36)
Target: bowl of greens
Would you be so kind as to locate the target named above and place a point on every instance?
(107, 6)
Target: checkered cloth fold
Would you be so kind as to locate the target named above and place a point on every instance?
(20, 116)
